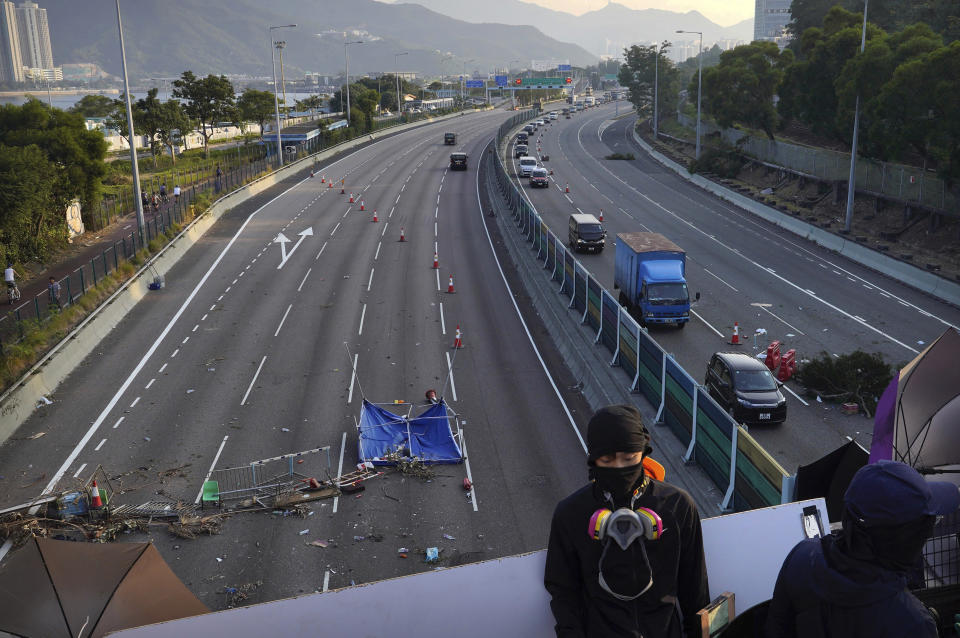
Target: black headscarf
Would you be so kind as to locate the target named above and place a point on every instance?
(617, 428)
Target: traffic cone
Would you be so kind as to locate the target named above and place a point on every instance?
(450, 286)
(342, 192)
(311, 173)
(374, 214)
(735, 339)
(401, 234)
(329, 184)
(457, 342)
(601, 214)
(361, 205)
(97, 501)
(351, 198)
(323, 179)
(436, 260)
(567, 189)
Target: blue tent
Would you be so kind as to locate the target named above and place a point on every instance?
(427, 437)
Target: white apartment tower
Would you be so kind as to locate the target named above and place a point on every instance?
(35, 46)
(770, 19)
(11, 65)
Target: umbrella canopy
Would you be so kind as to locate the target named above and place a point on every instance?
(55, 588)
(829, 477)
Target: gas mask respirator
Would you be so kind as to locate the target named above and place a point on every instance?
(624, 527)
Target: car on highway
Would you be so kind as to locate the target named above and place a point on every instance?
(522, 138)
(553, 115)
(529, 129)
(541, 123)
(458, 161)
(527, 164)
(449, 138)
(585, 232)
(743, 386)
(519, 151)
(538, 178)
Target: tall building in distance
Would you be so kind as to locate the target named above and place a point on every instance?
(11, 64)
(770, 19)
(35, 49)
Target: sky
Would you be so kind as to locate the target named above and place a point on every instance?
(723, 12)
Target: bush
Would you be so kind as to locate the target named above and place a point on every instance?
(620, 156)
(856, 377)
(725, 161)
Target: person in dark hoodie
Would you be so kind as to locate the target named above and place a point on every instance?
(632, 572)
(854, 585)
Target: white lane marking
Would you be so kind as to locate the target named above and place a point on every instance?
(119, 421)
(195, 328)
(568, 198)
(303, 281)
(326, 573)
(397, 201)
(443, 323)
(402, 188)
(162, 368)
(384, 231)
(253, 380)
(785, 322)
(135, 401)
(79, 469)
(466, 462)
(363, 313)
(213, 306)
(282, 320)
(333, 231)
(343, 443)
(353, 377)
(885, 295)
(392, 208)
(453, 385)
(321, 251)
(185, 339)
(377, 255)
(147, 387)
(99, 445)
(533, 345)
(435, 229)
(721, 280)
(206, 478)
(438, 278)
(436, 212)
(787, 388)
(203, 318)
(706, 323)
(370, 280)
(234, 283)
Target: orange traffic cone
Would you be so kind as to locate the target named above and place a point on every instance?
(323, 179)
(96, 500)
(374, 214)
(567, 189)
(450, 285)
(329, 184)
(436, 260)
(735, 339)
(351, 198)
(457, 342)
(401, 234)
(361, 205)
(601, 214)
(342, 192)
(311, 173)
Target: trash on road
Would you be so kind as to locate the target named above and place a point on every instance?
(433, 554)
(304, 532)
(402, 550)
(43, 401)
(320, 543)
(449, 537)
(33, 437)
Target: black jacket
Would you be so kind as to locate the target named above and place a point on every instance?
(823, 593)
(582, 608)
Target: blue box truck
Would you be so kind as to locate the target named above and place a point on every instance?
(649, 270)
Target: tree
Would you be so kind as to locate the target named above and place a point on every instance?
(151, 113)
(207, 100)
(64, 139)
(256, 106)
(29, 223)
(93, 106)
(742, 86)
(310, 103)
(117, 119)
(644, 67)
(364, 101)
(172, 125)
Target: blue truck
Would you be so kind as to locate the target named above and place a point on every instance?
(649, 271)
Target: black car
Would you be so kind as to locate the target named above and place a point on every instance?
(743, 386)
(458, 161)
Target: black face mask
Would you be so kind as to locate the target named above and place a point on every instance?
(618, 481)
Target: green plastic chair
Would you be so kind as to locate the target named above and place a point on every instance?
(211, 494)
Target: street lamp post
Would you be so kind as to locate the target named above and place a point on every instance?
(851, 181)
(463, 82)
(346, 65)
(656, 93)
(283, 81)
(137, 197)
(276, 100)
(699, 85)
(396, 71)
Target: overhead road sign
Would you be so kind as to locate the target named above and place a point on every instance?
(542, 83)
(563, 67)
(475, 84)
(500, 80)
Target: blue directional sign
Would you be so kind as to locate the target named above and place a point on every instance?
(563, 67)
(475, 84)
(500, 80)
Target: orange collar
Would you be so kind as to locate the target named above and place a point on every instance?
(653, 469)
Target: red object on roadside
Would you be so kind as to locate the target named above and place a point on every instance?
(788, 365)
(96, 500)
(773, 356)
(467, 485)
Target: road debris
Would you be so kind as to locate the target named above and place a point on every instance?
(304, 532)
(433, 554)
(240, 594)
(320, 543)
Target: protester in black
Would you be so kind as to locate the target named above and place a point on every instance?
(854, 585)
(600, 589)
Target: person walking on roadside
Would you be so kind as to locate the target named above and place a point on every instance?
(163, 192)
(53, 290)
(219, 182)
(10, 278)
(176, 193)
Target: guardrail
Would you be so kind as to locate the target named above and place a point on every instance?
(744, 471)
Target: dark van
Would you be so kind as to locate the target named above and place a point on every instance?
(586, 233)
(522, 138)
(743, 386)
(458, 161)
(449, 138)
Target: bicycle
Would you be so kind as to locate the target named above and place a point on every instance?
(13, 293)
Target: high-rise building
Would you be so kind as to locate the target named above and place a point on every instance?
(11, 65)
(35, 49)
(770, 19)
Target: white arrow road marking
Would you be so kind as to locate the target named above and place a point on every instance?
(282, 240)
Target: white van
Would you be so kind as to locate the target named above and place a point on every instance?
(527, 164)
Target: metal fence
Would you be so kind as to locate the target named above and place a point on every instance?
(907, 183)
(748, 476)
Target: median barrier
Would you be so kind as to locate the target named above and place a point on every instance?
(747, 475)
(922, 280)
(41, 380)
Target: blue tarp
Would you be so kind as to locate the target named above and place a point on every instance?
(427, 437)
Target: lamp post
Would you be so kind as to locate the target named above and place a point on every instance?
(699, 85)
(851, 182)
(283, 81)
(137, 197)
(346, 64)
(656, 92)
(396, 71)
(276, 100)
(463, 82)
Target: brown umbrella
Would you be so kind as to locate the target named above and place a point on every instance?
(55, 588)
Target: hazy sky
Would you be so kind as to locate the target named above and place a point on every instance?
(723, 12)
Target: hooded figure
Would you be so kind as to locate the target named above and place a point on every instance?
(651, 588)
(854, 585)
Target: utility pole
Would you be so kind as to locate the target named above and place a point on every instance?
(346, 64)
(138, 200)
(276, 100)
(851, 181)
